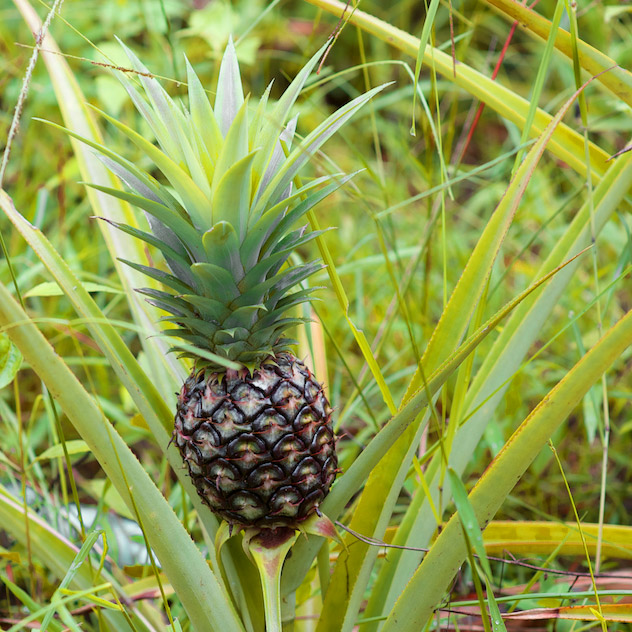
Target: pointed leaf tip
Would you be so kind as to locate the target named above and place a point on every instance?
(230, 95)
(320, 524)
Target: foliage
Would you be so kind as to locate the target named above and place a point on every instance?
(462, 338)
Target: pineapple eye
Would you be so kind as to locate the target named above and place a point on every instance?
(286, 502)
(223, 475)
(248, 505)
(306, 475)
(306, 420)
(288, 451)
(248, 398)
(323, 444)
(265, 478)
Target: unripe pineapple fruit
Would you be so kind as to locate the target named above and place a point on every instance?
(258, 441)
(260, 448)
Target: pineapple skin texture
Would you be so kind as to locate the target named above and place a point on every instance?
(259, 446)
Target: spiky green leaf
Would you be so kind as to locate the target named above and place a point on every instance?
(221, 245)
(230, 95)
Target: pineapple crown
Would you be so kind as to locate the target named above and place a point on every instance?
(224, 215)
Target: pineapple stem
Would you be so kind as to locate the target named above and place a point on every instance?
(268, 549)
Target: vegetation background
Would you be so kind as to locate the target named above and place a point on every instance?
(435, 168)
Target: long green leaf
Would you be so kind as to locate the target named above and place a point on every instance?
(456, 316)
(617, 79)
(378, 498)
(354, 478)
(202, 114)
(10, 360)
(79, 119)
(309, 146)
(274, 125)
(491, 380)
(230, 96)
(193, 198)
(202, 595)
(427, 587)
(566, 143)
(343, 301)
(142, 390)
(66, 582)
(231, 195)
(166, 216)
(168, 122)
(56, 552)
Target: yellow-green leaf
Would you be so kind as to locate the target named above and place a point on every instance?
(50, 288)
(10, 360)
(75, 446)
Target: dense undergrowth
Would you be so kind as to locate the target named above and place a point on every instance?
(406, 227)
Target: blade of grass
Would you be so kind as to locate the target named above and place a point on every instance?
(57, 552)
(378, 498)
(353, 479)
(427, 587)
(611, 612)
(141, 388)
(197, 586)
(566, 144)
(166, 369)
(343, 301)
(464, 299)
(86, 547)
(491, 380)
(523, 537)
(540, 78)
(618, 80)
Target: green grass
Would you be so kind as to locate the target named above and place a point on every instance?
(407, 229)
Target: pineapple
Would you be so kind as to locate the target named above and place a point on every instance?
(253, 425)
(260, 448)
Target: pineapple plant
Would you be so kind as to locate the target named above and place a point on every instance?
(253, 425)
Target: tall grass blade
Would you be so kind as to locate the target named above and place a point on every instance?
(618, 80)
(80, 120)
(201, 593)
(427, 587)
(566, 144)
